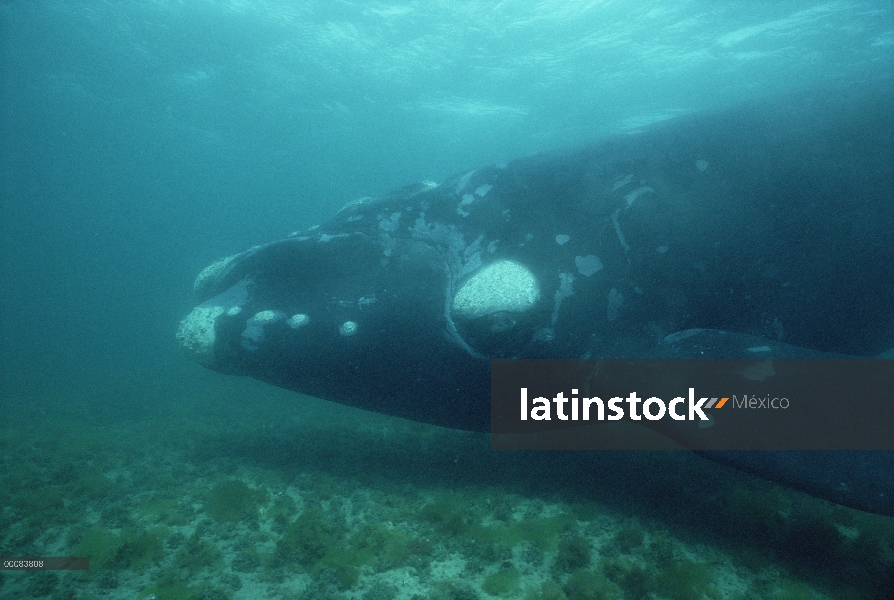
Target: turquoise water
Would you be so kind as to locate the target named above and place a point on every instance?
(140, 141)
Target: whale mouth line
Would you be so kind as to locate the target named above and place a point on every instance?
(342, 269)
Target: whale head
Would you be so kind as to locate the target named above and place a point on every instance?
(387, 307)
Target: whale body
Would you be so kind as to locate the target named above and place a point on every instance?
(769, 224)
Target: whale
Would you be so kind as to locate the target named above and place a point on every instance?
(767, 224)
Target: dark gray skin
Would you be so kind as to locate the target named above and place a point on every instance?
(770, 223)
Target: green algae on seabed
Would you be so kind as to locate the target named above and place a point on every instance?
(134, 548)
(233, 500)
(573, 554)
(589, 585)
(197, 554)
(504, 582)
(548, 590)
(169, 590)
(133, 511)
(317, 545)
(457, 515)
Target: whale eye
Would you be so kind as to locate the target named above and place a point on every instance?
(492, 310)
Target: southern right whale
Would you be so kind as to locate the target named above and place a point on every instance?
(770, 221)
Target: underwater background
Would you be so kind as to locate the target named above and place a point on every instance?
(142, 140)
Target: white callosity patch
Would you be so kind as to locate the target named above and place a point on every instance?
(472, 257)
(348, 328)
(587, 265)
(661, 249)
(622, 181)
(389, 222)
(461, 185)
(355, 203)
(267, 316)
(299, 320)
(466, 200)
(462, 258)
(566, 288)
(388, 244)
(562, 239)
(253, 334)
(196, 332)
(503, 286)
(615, 300)
(482, 190)
(701, 165)
(325, 237)
(618, 230)
(210, 273)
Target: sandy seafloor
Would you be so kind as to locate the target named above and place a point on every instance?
(246, 492)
